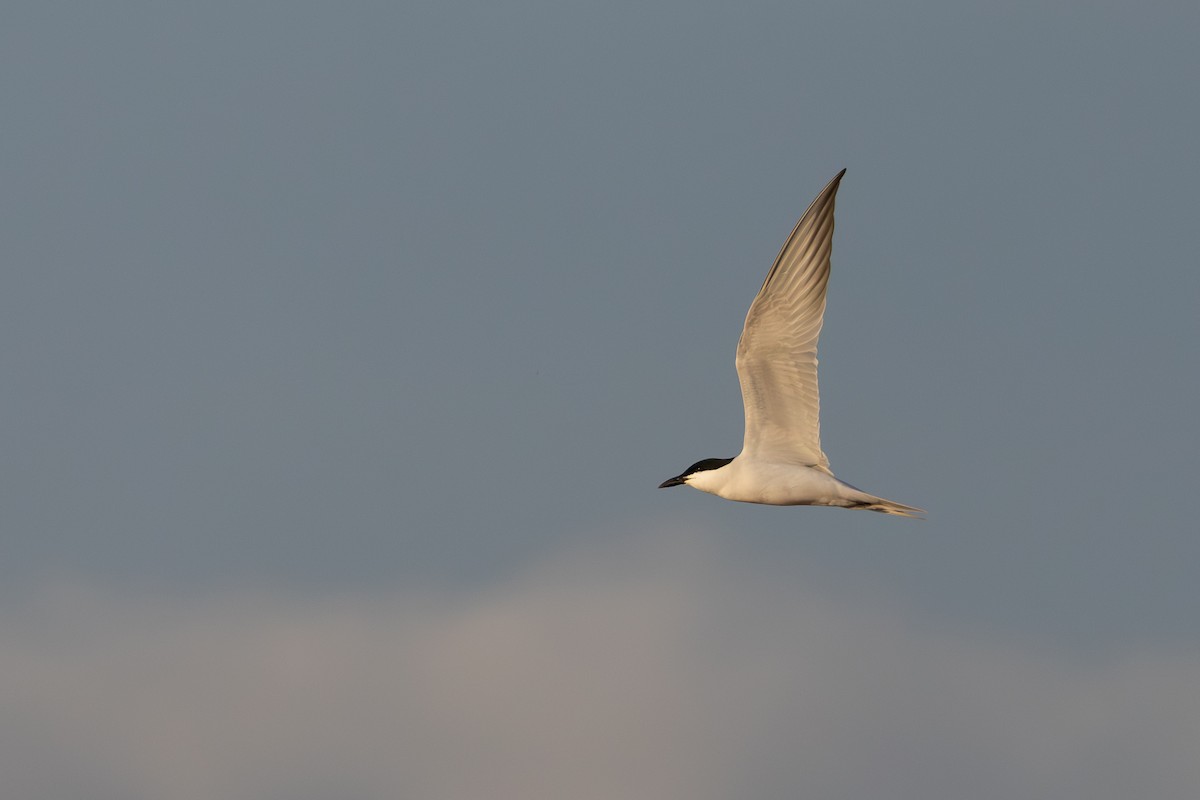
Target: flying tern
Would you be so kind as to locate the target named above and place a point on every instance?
(781, 462)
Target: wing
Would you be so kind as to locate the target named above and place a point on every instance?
(777, 354)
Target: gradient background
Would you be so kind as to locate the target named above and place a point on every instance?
(344, 345)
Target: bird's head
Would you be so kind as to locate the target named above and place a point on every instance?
(699, 466)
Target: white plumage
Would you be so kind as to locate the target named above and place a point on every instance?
(781, 462)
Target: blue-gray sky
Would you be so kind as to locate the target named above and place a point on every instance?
(345, 345)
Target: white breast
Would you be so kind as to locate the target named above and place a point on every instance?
(752, 481)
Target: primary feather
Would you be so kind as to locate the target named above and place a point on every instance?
(777, 353)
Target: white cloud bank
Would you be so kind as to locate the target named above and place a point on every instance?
(660, 669)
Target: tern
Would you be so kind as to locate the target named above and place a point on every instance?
(781, 462)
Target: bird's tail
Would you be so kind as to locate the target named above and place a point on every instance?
(857, 498)
(891, 507)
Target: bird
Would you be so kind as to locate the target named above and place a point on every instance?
(781, 462)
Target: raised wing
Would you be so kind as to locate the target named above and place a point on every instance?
(777, 354)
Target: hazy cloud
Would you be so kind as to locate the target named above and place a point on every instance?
(664, 666)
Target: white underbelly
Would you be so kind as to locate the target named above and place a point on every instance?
(775, 484)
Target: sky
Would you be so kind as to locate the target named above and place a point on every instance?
(345, 346)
